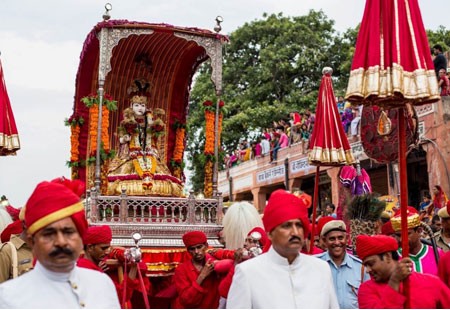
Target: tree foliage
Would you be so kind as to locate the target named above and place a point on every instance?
(272, 66)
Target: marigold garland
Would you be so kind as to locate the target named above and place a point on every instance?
(208, 190)
(179, 144)
(75, 124)
(109, 104)
(209, 132)
(210, 111)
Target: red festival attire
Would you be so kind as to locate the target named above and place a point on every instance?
(444, 268)
(190, 293)
(426, 292)
(132, 284)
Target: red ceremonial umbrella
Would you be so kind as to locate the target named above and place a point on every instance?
(9, 137)
(328, 145)
(392, 66)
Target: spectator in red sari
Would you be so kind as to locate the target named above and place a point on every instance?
(439, 200)
(444, 83)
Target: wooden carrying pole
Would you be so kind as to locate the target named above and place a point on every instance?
(315, 202)
(403, 196)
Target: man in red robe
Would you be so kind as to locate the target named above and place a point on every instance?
(97, 250)
(385, 289)
(195, 280)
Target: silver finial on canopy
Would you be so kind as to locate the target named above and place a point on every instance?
(326, 70)
(106, 16)
(217, 27)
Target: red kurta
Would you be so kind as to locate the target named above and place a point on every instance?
(444, 268)
(427, 292)
(132, 284)
(190, 294)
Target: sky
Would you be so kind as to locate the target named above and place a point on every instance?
(41, 42)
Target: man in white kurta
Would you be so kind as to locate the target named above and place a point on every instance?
(55, 222)
(43, 289)
(269, 281)
(283, 278)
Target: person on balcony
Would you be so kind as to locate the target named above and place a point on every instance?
(138, 166)
(283, 141)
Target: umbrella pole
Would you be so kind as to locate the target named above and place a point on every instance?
(315, 201)
(403, 195)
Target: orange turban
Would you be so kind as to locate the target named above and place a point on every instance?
(97, 235)
(372, 245)
(193, 238)
(263, 233)
(51, 202)
(282, 207)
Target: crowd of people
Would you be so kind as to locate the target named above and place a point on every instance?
(296, 128)
(278, 260)
(50, 257)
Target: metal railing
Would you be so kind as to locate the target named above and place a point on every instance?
(152, 210)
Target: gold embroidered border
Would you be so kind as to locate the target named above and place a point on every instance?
(55, 216)
(10, 142)
(332, 156)
(419, 86)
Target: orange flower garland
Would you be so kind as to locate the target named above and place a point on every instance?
(74, 143)
(105, 127)
(75, 124)
(208, 191)
(93, 123)
(91, 103)
(209, 132)
(179, 144)
(209, 143)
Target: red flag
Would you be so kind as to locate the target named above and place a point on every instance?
(9, 137)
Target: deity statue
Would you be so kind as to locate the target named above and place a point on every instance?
(138, 167)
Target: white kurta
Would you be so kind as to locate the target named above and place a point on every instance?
(268, 281)
(41, 289)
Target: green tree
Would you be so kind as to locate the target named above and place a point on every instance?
(271, 67)
(440, 36)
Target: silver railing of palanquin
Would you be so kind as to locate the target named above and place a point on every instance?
(161, 220)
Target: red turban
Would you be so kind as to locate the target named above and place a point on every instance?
(387, 229)
(51, 202)
(193, 238)
(282, 207)
(263, 233)
(372, 245)
(13, 212)
(321, 222)
(76, 186)
(307, 200)
(97, 235)
(14, 228)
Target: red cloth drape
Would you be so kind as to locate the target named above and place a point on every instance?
(328, 144)
(392, 62)
(9, 137)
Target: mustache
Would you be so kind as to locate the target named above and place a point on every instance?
(295, 238)
(58, 250)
